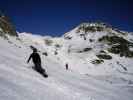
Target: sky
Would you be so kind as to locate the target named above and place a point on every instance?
(56, 17)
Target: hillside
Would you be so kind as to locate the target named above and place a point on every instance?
(99, 66)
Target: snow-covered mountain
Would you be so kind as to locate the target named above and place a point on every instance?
(99, 60)
(98, 44)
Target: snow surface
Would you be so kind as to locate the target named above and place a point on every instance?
(83, 80)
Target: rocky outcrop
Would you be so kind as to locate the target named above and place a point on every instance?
(6, 27)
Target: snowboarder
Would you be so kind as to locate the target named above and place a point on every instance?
(37, 62)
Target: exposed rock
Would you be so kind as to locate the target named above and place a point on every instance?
(6, 27)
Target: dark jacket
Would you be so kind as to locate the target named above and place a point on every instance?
(35, 58)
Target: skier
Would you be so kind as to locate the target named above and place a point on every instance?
(37, 62)
(66, 66)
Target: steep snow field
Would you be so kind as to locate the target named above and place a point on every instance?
(19, 82)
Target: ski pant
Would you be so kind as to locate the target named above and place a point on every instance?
(39, 68)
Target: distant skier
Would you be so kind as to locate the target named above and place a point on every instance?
(66, 66)
(37, 62)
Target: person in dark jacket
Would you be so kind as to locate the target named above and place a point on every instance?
(37, 62)
(66, 66)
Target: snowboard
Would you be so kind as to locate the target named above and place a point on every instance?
(41, 71)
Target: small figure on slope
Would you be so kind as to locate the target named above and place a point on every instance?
(66, 66)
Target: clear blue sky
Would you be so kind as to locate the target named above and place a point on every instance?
(55, 17)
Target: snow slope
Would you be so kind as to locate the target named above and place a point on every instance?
(83, 80)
